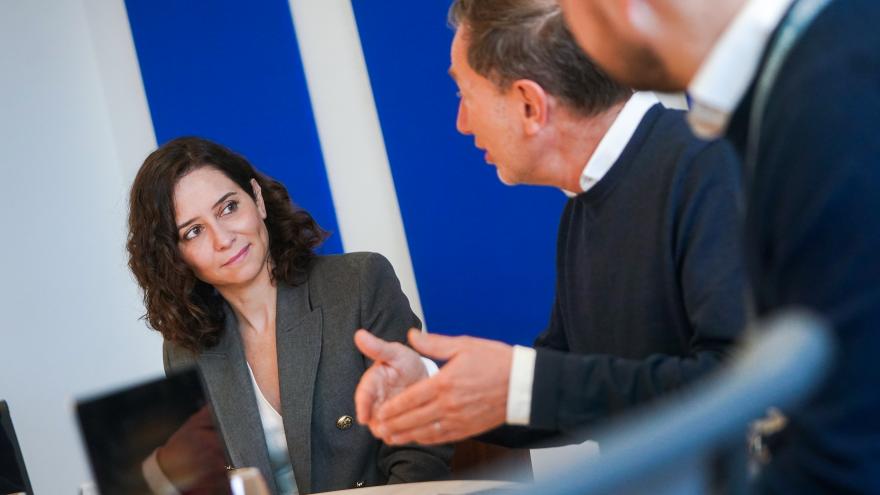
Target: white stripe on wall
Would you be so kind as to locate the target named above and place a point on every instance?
(121, 83)
(351, 137)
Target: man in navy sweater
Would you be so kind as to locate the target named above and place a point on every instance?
(650, 286)
(796, 86)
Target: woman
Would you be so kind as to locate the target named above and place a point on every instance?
(230, 279)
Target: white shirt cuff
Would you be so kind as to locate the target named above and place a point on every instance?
(519, 389)
(157, 481)
(430, 366)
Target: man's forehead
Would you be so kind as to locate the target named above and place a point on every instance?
(458, 62)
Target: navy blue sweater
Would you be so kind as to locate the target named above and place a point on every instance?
(813, 239)
(650, 282)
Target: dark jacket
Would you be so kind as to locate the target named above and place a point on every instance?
(813, 240)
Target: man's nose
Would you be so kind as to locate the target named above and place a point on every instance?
(461, 122)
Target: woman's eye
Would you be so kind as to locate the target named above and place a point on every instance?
(192, 232)
(229, 208)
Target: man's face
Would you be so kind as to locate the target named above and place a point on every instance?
(605, 30)
(490, 115)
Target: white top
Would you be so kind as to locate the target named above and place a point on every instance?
(276, 441)
(611, 146)
(724, 77)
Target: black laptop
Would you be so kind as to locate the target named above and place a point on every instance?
(121, 429)
(13, 475)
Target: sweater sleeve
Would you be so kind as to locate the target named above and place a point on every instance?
(571, 391)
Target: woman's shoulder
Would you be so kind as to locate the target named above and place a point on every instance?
(332, 275)
(349, 265)
(175, 357)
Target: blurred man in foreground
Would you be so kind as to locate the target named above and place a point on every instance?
(795, 85)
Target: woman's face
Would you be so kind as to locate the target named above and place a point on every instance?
(221, 233)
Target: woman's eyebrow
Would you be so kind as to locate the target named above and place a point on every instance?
(222, 199)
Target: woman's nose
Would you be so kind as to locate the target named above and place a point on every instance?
(223, 238)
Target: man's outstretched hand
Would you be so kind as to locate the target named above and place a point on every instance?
(395, 366)
(468, 396)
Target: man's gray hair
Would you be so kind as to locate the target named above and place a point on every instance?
(528, 39)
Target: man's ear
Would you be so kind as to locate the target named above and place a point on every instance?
(258, 198)
(533, 104)
(643, 17)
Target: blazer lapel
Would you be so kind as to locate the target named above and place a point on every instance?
(235, 405)
(299, 334)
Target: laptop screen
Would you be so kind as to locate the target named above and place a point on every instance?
(13, 476)
(122, 429)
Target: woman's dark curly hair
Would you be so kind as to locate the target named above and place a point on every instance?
(187, 311)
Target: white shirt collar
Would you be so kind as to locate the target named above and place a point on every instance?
(724, 77)
(614, 141)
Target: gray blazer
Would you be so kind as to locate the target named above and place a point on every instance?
(319, 368)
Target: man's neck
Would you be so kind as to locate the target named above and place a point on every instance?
(578, 138)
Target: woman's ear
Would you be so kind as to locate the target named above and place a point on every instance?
(258, 198)
(533, 104)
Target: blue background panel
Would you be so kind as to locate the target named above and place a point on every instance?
(483, 253)
(231, 71)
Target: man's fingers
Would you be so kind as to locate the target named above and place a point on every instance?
(374, 426)
(375, 348)
(424, 415)
(434, 346)
(366, 394)
(430, 434)
(414, 396)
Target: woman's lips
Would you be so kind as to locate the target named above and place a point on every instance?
(238, 256)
